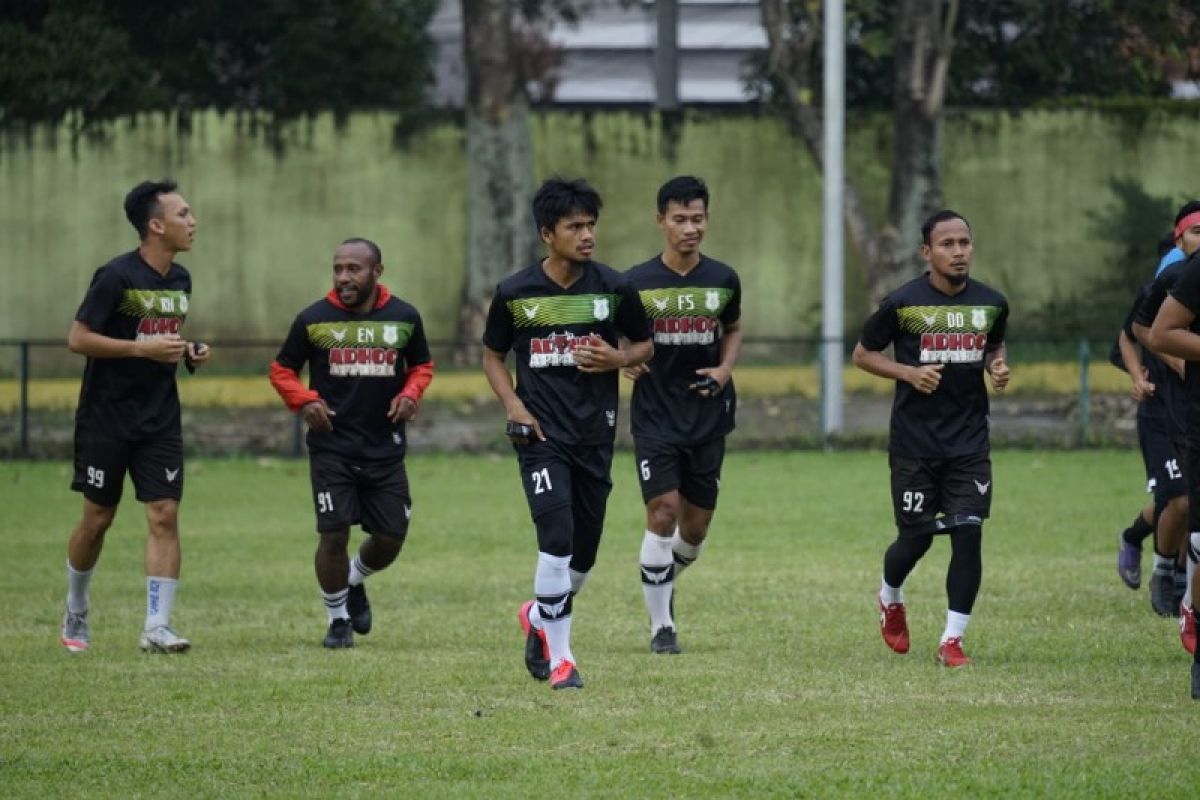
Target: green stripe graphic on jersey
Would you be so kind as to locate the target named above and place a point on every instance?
(327, 335)
(153, 304)
(576, 309)
(947, 319)
(686, 301)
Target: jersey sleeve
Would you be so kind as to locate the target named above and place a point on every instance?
(733, 309)
(419, 362)
(498, 332)
(1152, 302)
(995, 338)
(296, 349)
(631, 315)
(102, 299)
(1187, 290)
(881, 328)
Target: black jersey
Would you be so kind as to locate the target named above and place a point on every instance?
(1168, 402)
(132, 398)
(541, 322)
(1186, 291)
(928, 327)
(357, 364)
(687, 314)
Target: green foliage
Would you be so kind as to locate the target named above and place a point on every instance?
(287, 58)
(784, 688)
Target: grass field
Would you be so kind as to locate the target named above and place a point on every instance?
(784, 689)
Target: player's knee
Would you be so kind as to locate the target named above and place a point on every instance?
(555, 531)
(333, 542)
(662, 513)
(163, 518)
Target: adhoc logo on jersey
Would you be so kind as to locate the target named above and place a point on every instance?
(555, 350)
(952, 348)
(159, 313)
(355, 349)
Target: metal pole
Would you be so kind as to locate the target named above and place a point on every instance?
(23, 422)
(832, 289)
(1085, 395)
(666, 56)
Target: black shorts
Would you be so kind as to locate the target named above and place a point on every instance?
(155, 465)
(373, 494)
(1163, 458)
(935, 494)
(695, 470)
(555, 475)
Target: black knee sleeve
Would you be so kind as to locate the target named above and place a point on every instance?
(902, 556)
(966, 567)
(556, 531)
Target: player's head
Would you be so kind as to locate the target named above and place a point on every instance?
(683, 213)
(357, 265)
(156, 210)
(1187, 227)
(566, 212)
(948, 246)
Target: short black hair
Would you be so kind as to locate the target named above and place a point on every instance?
(1190, 207)
(941, 216)
(561, 197)
(142, 203)
(683, 189)
(376, 253)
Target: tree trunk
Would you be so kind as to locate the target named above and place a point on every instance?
(500, 233)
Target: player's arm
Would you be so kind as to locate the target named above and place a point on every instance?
(83, 340)
(1132, 359)
(1170, 332)
(924, 379)
(995, 361)
(417, 377)
(501, 381)
(731, 348)
(284, 375)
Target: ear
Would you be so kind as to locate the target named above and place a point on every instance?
(545, 234)
(378, 268)
(925, 251)
(155, 225)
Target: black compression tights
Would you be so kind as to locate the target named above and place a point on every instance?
(966, 563)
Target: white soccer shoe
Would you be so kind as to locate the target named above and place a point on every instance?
(76, 636)
(163, 640)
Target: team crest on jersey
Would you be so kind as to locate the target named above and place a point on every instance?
(712, 300)
(979, 319)
(391, 334)
(600, 307)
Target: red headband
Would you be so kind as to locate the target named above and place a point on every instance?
(1187, 222)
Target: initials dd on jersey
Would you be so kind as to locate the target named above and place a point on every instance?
(361, 349)
(684, 315)
(159, 312)
(949, 334)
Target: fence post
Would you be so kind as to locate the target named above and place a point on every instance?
(297, 436)
(1085, 396)
(23, 412)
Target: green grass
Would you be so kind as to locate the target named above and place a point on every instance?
(784, 689)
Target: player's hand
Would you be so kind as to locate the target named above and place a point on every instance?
(1142, 388)
(318, 416)
(197, 354)
(597, 355)
(925, 379)
(167, 349)
(520, 415)
(998, 370)
(402, 409)
(633, 373)
(708, 376)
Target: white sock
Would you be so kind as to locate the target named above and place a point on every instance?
(160, 596)
(684, 553)
(1193, 556)
(657, 563)
(1164, 565)
(552, 580)
(335, 604)
(890, 595)
(578, 579)
(78, 583)
(359, 572)
(956, 625)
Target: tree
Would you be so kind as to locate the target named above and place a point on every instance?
(286, 58)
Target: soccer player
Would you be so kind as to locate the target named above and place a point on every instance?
(947, 330)
(128, 416)
(683, 398)
(1161, 411)
(1175, 331)
(368, 364)
(561, 317)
